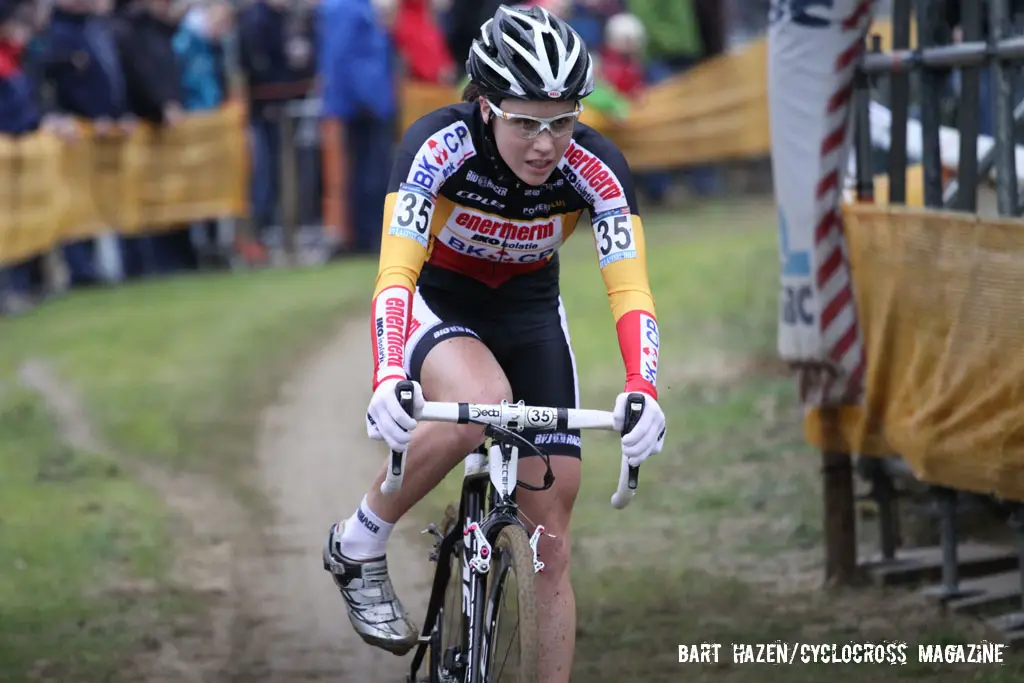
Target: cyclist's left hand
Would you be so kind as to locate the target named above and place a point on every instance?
(647, 437)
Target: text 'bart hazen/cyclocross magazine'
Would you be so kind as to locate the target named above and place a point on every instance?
(886, 653)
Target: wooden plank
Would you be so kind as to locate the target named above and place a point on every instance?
(915, 565)
(998, 591)
(1011, 626)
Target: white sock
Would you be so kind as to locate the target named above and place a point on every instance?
(365, 535)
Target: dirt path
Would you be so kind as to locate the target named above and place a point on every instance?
(274, 614)
(316, 462)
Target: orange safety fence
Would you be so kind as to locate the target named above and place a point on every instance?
(939, 297)
(145, 181)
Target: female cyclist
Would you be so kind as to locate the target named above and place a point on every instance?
(467, 304)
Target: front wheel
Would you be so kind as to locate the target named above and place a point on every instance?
(510, 621)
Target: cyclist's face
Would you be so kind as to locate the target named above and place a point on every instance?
(531, 159)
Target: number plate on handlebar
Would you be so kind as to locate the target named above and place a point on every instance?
(542, 418)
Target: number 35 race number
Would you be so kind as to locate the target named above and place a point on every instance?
(614, 235)
(412, 214)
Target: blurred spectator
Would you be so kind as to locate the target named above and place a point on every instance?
(442, 14)
(712, 16)
(421, 44)
(144, 31)
(679, 35)
(199, 46)
(277, 64)
(80, 60)
(35, 49)
(463, 24)
(674, 41)
(621, 58)
(589, 18)
(360, 109)
(18, 115)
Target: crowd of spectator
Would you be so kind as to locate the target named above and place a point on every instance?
(114, 63)
(109, 64)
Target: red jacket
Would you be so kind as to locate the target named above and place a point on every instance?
(10, 58)
(420, 42)
(624, 73)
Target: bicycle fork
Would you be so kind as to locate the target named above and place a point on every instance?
(476, 559)
(465, 661)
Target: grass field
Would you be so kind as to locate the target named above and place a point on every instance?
(174, 374)
(72, 528)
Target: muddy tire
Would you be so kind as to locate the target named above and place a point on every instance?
(513, 642)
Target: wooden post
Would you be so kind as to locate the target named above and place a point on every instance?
(840, 517)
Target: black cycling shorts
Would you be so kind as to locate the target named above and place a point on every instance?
(530, 341)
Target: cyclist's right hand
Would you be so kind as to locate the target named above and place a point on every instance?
(387, 421)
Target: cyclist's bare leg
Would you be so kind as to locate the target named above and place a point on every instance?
(459, 369)
(556, 603)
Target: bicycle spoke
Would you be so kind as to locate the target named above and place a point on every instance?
(503, 613)
(507, 652)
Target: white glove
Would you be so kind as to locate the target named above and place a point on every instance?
(647, 436)
(386, 420)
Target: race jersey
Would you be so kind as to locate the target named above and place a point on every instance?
(448, 210)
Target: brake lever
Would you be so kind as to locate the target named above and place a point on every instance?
(629, 475)
(396, 465)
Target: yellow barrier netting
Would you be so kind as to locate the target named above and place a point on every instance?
(941, 300)
(715, 112)
(53, 191)
(32, 195)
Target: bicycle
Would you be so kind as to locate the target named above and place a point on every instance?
(491, 542)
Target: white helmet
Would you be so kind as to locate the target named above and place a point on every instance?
(531, 54)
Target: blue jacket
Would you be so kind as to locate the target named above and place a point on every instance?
(80, 58)
(355, 61)
(19, 113)
(201, 61)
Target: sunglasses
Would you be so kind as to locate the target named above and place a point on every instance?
(529, 127)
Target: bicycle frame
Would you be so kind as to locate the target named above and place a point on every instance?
(491, 471)
(479, 524)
